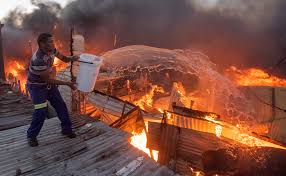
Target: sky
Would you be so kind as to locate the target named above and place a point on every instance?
(8, 5)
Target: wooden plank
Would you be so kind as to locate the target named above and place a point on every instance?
(48, 152)
(17, 113)
(16, 121)
(15, 108)
(7, 102)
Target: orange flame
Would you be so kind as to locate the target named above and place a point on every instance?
(60, 65)
(236, 133)
(140, 141)
(16, 72)
(254, 77)
(147, 100)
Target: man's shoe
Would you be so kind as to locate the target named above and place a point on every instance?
(33, 142)
(70, 134)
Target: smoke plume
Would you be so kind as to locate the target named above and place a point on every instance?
(241, 32)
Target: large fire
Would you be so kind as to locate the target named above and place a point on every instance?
(147, 99)
(238, 134)
(140, 141)
(254, 77)
(16, 72)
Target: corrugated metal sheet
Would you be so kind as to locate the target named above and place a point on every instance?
(271, 120)
(193, 123)
(153, 135)
(168, 144)
(227, 130)
(197, 136)
(192, 144)
(278, 130)
(264, 112)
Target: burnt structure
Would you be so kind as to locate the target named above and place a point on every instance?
(2, 69)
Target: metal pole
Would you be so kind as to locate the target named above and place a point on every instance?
(71, 52)
(2, 68)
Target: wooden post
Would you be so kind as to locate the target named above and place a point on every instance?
(128, 89)
(75, 94)
(19, 84)
(110, 88)
(84, 102)
(78, 100)
(273, 104)
(123, 110)
(71, 52)
(2, 68)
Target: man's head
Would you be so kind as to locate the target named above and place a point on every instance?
(46, 42)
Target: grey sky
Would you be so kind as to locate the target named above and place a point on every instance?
(8, 5)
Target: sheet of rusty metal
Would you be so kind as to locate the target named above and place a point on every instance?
(168, 144)
(221, 129)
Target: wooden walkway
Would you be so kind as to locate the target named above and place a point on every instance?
(15, 109)
(97, 150)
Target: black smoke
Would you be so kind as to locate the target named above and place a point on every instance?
(242, 32)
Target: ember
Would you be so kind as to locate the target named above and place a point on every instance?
(254, 77)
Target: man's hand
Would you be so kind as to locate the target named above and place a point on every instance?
(74, 58)
(67, 59)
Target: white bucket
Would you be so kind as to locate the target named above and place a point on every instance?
(88, 72)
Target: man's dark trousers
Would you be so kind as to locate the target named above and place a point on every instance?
(40, 94)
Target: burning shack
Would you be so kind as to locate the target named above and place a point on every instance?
(176, 106)
(154, 96)
(181, 111)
